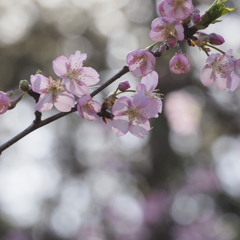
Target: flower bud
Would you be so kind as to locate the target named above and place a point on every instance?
(4, 102)
(171, 42)
(24, 85)
(216, 39)
(124, 86)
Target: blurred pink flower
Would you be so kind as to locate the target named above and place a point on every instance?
(140, 62)
(132, 114)
(179, 64)
(88, 108)
(164, 28)
(75, 77)
(179, 9)
(51, 93)
(4, 102)
(221, 69)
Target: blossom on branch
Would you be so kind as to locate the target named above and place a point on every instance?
(179, 9)
(75, 77)
(51, 93)
(140, 62)
(132, 114)
(4, 102)
(88, 108)
(179, 64)
(164, 28)
(223, 70)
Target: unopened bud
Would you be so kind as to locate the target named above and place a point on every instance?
(124, 86)
(24, 85)
(4, 102)
(195, 17)
(216, 39)
(172, 42)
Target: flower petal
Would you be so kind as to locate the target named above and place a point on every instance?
(39, 83)
(61, 66)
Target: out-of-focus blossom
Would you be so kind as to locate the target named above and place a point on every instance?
(4, 102)
(147, 88)
(221, 69)
(75, 77)
(164, 28)
(179, 64)
(216, 39)
(88, 108)
(183, 112)
(124, 86)
(140, 62)
(132, 114)
(179, 9)
(51, 93)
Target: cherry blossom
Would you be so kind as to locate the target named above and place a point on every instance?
(51, 93)
(4, 102)
(164, 28)
(88, 108)
(221, 69)
(75, 77)
(179, 64)
(179, 9)
(140, 62)
(147, 88)
(132, 114)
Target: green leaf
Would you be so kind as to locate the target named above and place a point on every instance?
(216, 10)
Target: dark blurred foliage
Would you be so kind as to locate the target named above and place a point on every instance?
(181, 183)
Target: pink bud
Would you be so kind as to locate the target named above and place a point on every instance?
(124, 86)
(216, 39)
(171, 42)
(4, 102)
(195, 17)
(179, 64)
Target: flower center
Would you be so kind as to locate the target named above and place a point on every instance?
(135, 115)
(178, 3)
(55, 87)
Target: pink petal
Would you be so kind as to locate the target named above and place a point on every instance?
(207, 76)
(120, 125)
(77, 59)
(75, 87)
(150, 80)
(64, 101)
(139, 100)
(140, 130)
(61, 66)
(121, 106)
(89, 76)
(44, 103)
(39, 83)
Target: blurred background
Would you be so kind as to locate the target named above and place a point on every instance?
(74, 179)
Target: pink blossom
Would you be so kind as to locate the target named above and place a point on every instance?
(140, 62)
(221, 70)
(164, 28)
(132, 114)
(88, 108)
(178, 9)
(147, 88)
(4, 102)
(75, 77)
(51, 93)
(179, 64)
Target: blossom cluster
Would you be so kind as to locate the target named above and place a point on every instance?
(71, 89)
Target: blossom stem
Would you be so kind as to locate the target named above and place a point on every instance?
(215, 48)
